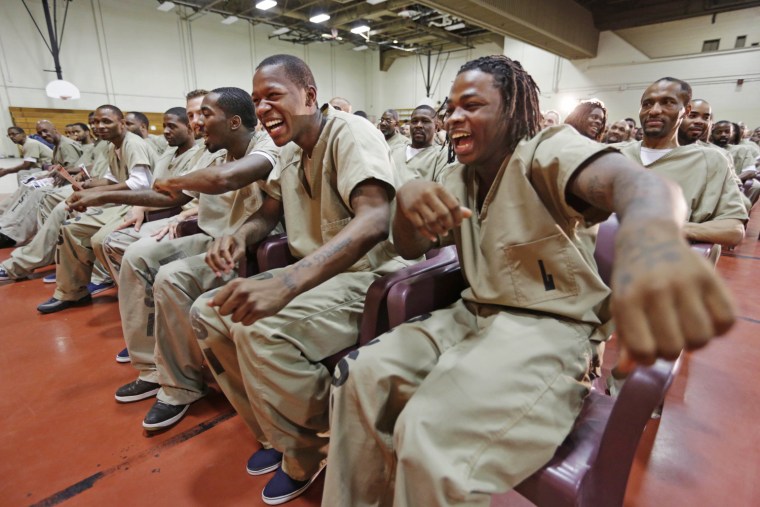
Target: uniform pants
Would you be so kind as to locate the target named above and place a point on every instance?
(271, 371)
(40, 252)
(116, 243)
(452, 407)
(25, 173)
(20, 221)
(76, 253)
(158, 282)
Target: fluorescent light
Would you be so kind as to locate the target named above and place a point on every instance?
(60, 89)
(360, 28)
(375, 2)
(319, 18)
(458, 26)
(363, 47)
(281, 30)
(265, 4)
(229, 20)
(165, 6)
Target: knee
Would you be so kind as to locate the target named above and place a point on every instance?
(203, 316)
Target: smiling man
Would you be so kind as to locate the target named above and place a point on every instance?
(452, 407)
(264, 337)
(716, 213)
(619, 132)
(421, 159)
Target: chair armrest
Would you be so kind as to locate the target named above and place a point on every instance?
(188, 227)
(274, 252)
(375, 318)
(159, 214)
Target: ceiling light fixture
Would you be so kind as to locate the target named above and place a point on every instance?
(363, 47)
(281, 31)
(319, 18)
(264, 5)
(360, 27)
(457, 26)
(165, 6)
(375, 2)
(229, 20)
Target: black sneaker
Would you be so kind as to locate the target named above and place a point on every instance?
(6, 242)
(263, 461)
(163, 415)
(282, 488)
(53, 305)
(136, 391)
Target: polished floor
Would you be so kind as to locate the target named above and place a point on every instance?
(64, 440)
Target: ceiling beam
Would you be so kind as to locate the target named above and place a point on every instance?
(633, 14)
(562, 27)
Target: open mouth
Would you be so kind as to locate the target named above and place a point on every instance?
(274, 126)
(462, 142)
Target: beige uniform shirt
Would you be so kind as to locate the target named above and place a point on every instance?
(134, 151)
(67, 153)
(742, 155)
(398, 140)
(225, 213)
(523, 248)
(36, 152)
(158, 143)
(708, 184)
(753, 147)
(426, 164)
(349, 151)
(169, 165)
(99, 159)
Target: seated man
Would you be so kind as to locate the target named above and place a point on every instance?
(19, 222)
(130, 163)
(695, 129)
(715, 211)
(264, 337)
(138, 124)
(33, 153)
(389, 127)
(158, 281)
(453, 407)
(743, 155)
(421, 159)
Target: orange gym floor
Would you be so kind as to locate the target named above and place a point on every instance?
(66, 441)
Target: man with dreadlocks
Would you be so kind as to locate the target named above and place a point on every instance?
(469, 401)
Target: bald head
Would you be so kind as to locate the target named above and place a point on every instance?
(341, 104)
(47, 131)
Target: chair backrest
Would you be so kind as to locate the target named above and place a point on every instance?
(604, 253)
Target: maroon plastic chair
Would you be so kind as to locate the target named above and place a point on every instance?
(591, 467)
(275, 253)
(158, 214)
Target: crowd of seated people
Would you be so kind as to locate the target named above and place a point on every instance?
(450, 407)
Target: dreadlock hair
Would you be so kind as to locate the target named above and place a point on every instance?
(736, 134)
(519, 94)
(577, 118)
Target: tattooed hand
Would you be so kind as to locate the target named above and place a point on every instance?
(250, 299)
(665, 297)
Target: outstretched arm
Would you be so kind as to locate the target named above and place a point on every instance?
(664, 296)
(219, 179)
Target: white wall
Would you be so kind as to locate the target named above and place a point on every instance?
(620, 73)
(128, 53)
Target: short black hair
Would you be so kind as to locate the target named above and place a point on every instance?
(113, 109)
(236, 102)
(140, 117)
(83, 126)
(425, 107)
(295, 68)
(17, 129)
(362, 114)
(199, 92)
(685, 88)
(180, 113)
(631, 121)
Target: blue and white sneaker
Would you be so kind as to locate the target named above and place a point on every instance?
(263, 461)
(4, 276)
(49, 278)
(97, 288)
(282, 488)
(123, 356)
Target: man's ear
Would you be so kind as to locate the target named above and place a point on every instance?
(311, 96)
(235, 122)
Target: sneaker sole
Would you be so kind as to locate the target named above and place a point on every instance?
(286, 498)
(122, 359)
(44, 280)
(262, 471)
(98, 291)
(168, 422)
(137, 397)
(87, 300)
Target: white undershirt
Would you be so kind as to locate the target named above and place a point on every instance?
(650, 155)
(411, 152)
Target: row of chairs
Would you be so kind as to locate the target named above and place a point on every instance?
(591, 467)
